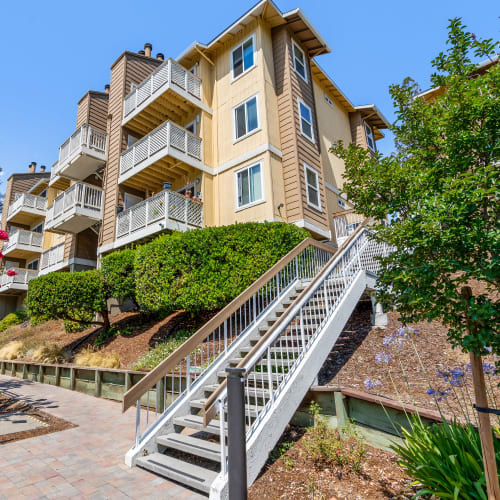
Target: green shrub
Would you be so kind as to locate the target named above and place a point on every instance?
(118, 271)
(156, 355)
(74, 297)
(12, 319)
(204, 269)
(446, 459)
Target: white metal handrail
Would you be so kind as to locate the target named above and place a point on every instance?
(52, 256)
(212, 342)
(170, 72)
(275, 360)
(28, 201)
(22, 276)
(166, 205)
(79, 195)
(168, 134)
(23, 237)
(85, 136)
(345, 223)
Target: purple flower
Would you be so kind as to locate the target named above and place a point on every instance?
(431, 392)
(383, 357)
(489, 369)
(371, 384)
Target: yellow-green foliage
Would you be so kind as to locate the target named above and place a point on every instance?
(48, 353)
(13, 350)
(12, 319)
(97, 359)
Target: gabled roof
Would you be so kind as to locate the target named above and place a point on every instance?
(373, 116)
(298, 23)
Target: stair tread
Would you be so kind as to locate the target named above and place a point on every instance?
(179, 470)
(198, 403)
(196, 422)
(189, 444)
(275, 376)
(253, 392)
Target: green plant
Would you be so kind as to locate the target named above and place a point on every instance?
(13, 319)
(440, 190)
(156, 355)
(327, 447)
(47, 353)
(281, 449)
(75, 297)
(446, 459)
(75, 326)
(202, 270)
(288, 462)
(118, 271)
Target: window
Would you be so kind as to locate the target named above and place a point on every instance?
(131, 140)
(306, 126)
(243, 58)
(328, 101)
(369, 137)
(312, 187)
(299, 61)
(246, 118)
(189, 188)
(129, 200)
(43, 194)
(250, 186)
(193, 69)
(33, 265)
(341, 202)
(38, 229)
(191, 127)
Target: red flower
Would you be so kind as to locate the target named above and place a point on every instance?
(4, 236)
(11, 272)
(1, 255)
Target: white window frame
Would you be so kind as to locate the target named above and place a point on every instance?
(341, 203)
(305, 78)
(243, 103)
(255, 202)
(315, 172)
(35, 226)
(193, 123)
(31, 262)
(328, 100)
(369, 136)
(245, 71)
(299, 102)
(131, 197)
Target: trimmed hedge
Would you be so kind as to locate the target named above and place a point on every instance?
(204, 269)
(74, 297)
(118, 271)
(12, 319)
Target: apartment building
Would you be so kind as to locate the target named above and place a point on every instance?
(235, 130)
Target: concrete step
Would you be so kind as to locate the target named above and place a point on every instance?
(191, 445)
(196, 422)
(179, 470)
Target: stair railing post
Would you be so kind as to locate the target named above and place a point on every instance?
(237, 453)
(138, 423)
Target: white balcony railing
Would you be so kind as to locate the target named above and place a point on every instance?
(345, 223)
(168, 138)
(52, 256)
(86, 137)
(155, 212)
(168, 74)
(28, 202)
(21, 237)
(79, 200)
(19, 280)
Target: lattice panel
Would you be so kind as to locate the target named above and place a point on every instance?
(143, 92)
(178, 75)
(194, 146)
(160, 77)
(138, 216)
(123, 224)
(177, 138)
(158, 139)
(194, 213)
(156, 208)
(176, 207)
(141, 151)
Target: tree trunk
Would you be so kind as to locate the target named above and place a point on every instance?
(105, 320)
(489, 459)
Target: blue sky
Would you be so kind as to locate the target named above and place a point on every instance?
(54, 51)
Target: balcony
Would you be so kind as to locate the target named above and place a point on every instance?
(81, 155)
(159, 157)
(52, 260)
(18, 283)
(75, 210)
(23, 245)
(171, 91)
(164, 211)
(345, 223)
(27, 209)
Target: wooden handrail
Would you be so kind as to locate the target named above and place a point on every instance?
(344, 212)
(135, 392)
(209, 409)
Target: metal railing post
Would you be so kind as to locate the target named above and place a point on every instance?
(237, 452)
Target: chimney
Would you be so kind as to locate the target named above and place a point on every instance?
(32, 167)
(147, 49)
(160, 56)
(42, 168)
(141, 52)
(106, 88)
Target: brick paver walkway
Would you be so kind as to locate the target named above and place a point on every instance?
(83, 462)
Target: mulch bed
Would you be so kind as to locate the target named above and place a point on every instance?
(297, 477)
(10, 405)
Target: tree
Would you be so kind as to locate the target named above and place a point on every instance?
(441, 191)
